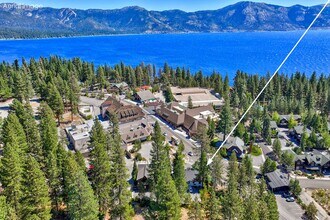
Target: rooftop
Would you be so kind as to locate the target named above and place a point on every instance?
(199, 96)
(145, 95)
(278, 179)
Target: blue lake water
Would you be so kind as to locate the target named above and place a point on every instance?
(259, 52)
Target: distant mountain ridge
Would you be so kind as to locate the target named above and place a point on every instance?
(19, 21)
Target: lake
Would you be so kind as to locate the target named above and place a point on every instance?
(258, 52)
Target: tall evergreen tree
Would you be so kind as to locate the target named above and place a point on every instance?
(55, 101)
(179, 173)
(120, 207)
(26, 118)
(232, 205)
(80, 200)
(225, 121)
(36, 200)
(11, 175)
(100, 174)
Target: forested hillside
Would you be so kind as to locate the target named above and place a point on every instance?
(22, 21)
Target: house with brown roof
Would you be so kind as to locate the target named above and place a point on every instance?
(125, 113)
(173, 113)
(133, 131)
(196, 119)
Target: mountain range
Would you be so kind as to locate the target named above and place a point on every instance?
(22, 21)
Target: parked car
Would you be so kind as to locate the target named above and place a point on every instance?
(286, 195)
(190, 154)
(165, 134)
(290, 199)
(191, 190)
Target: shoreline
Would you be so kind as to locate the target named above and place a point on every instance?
(141, 34)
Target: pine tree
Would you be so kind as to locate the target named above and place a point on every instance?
(120, 207)
(134, 173)
(179, 173)
(80, 160)
(167, 198)
(232, 205)
(50, 145)
(277, 148)
(55, 101)
(100, 174)
(272, 207)
(12, 131)
(11, 175)
(195, 210)
(74, 95)
(217, 171)
(26, 118)
(225, 121)
(157, 151)
(36, 200)
(6, 211)
(48, 129)
(213, 210)
(80, 200)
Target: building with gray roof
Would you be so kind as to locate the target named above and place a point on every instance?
(278, 181)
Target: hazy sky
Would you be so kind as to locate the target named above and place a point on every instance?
(187, 5)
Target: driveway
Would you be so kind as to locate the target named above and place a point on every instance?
(288, 210)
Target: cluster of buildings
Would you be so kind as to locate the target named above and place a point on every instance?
(133, 125)
(191, 120)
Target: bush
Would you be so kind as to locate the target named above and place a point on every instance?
(89, 117)
(256, 150)
(214, 142)
(138, 157)
(223, 152)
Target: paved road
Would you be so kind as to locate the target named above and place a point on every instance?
(288, 210)
(314, 184)
(307, 199)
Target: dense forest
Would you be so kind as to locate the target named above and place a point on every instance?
(41, 180)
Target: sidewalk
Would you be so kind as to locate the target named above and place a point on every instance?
(307, 199)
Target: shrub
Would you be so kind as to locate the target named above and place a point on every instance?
(223, 152)
(138, 157)
(256, 150)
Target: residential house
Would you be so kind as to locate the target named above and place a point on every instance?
(125, 112)
(196, 119)
(313, 161)
(121, 88)
(235, 144)
(145, 96)
(137, 130)
(284, 120)
(298, 131)
(79, 135)
(173, 113)
(199, 97)
(191, 178)
(278, 181)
